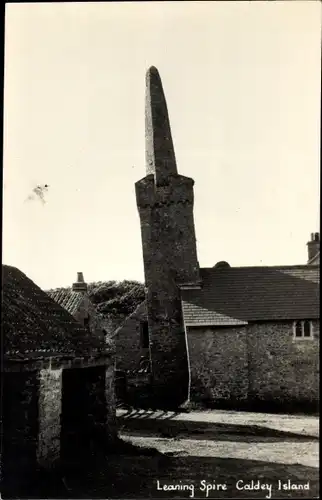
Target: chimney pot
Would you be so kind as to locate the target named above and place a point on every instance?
(80, 285)
(313, 246)
(80, 278)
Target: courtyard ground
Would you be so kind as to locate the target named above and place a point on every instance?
(217, 447)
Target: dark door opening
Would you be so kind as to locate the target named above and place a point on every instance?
(83, 407)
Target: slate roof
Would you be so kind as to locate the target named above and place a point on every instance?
(34, 325)
(243, 294)
(67, 298)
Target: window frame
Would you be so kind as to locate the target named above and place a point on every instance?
(302, 323)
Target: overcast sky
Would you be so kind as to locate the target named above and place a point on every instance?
(242, 83)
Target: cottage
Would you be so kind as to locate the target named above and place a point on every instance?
(222, 335)
(58, 383)
(253, 335)
(77, 302)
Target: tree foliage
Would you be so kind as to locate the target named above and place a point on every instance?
(116, 300)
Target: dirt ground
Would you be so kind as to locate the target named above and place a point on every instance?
(245, 455)
(300, 424)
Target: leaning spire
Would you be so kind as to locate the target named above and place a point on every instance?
(160, 157)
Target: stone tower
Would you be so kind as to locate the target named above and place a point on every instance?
(165, 204)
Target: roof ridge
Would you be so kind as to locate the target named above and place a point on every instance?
(58, 289)
(116, 331)
(34, 320)
(292, 266)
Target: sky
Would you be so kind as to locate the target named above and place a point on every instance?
(242, 83)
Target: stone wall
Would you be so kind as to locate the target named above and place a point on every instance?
(20, 429)
(129, 351)
(41, 416)
(87, 309)
(261, 362)
(218, 363)
(49, 416)
(110, 402)
(282, 368)
(170, 257)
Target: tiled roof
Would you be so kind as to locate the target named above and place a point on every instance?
(34, 324)
(67, 298)
(253, 294)
(310, 273)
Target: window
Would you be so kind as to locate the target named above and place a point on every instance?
(144, 334)
(303, 329)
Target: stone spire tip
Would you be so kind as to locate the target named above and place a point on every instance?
(152, 70)
(160, 156)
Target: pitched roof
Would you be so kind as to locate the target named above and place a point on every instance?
(35, 325)
(139, 312)
(67, 298)
(247, 294)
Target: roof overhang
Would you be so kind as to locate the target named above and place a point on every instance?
(216, 323)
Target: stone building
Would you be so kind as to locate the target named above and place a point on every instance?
(221, 335)
(77, 302)
(58, 384)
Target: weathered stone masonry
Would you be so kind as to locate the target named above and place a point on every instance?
(20, 426)
(53, 410)
(50, 389)
(257, 362)
(168, 242)
(129, 351)
(165, 204)
(218, 363)
(283, 368)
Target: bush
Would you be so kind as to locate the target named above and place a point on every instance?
(116, 300)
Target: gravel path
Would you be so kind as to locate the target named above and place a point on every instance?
(304, 453)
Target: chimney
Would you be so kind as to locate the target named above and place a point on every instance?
(313, 246)
(80, 285)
